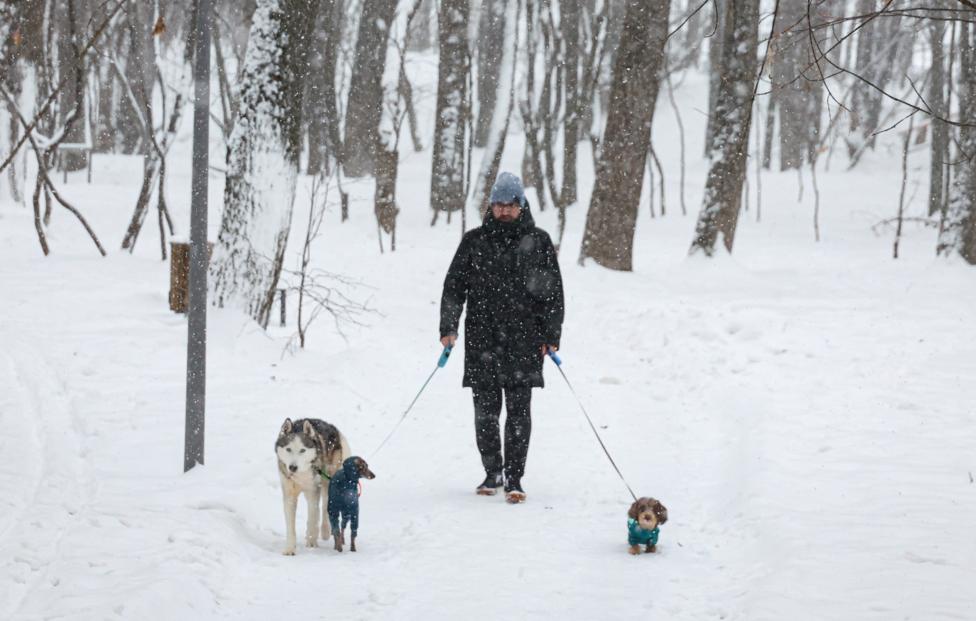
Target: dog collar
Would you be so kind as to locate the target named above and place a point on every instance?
(324, 475)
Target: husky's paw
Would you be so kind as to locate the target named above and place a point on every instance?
(289, 552)
(326, 531)
(311, 541)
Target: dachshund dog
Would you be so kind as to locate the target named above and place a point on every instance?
(643, 524)
(344, 499)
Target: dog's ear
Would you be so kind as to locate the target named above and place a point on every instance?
(632, 512)
(660, 512)
(285, 427)
(307, 429)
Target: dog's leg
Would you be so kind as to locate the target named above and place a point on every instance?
(291, 504)
(340, 538)
(354, 525)
(312, 526)
(634, 549)
(651, 548)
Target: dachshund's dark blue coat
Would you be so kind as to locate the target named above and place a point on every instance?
(344, 497)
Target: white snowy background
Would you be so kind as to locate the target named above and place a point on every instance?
(806, 411)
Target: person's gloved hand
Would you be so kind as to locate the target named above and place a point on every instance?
(449, 340)
(549, 348)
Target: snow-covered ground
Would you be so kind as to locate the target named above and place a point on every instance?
(806, 411)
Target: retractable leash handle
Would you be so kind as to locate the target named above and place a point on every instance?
(555, 358)
(442, 361)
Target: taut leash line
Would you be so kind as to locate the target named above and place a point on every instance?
(440, 365)
(559, 365)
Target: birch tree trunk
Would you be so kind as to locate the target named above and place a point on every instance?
(958, 235)
(447, 168)
(612, 216)
(365, 88)
(262, 158)
(730, 139)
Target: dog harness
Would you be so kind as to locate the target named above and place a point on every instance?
(639, 536)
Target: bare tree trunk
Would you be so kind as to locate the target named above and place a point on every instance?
(715, 65)
(940, 131)
(570, 22)
(612, 216)
(504, 101)
(320, 92)
(11, 78)
(142, 59)
(262, 160)
(881, 45)
(958, 236)
(797, 85)
(365, 88)
(393, 111)
(72, 99)
(447, 191)
(491, 32)
(730, 141)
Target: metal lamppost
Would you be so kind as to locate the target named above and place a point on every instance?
(196, 346)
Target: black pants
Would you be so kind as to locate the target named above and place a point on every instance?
(518, 427)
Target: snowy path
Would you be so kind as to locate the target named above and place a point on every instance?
(813, 458)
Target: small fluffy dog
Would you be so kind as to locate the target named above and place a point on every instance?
(344, 500)
(309, 452)
(644, 519)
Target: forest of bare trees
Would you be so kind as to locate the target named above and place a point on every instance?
(320, 87)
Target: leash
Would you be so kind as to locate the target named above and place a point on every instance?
(440, 365)
(559, 365)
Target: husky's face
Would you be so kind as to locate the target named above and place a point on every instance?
(297, 449)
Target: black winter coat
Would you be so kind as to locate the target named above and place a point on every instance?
(508, 275)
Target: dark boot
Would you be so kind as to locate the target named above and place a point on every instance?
(514, 494)
(490, 485)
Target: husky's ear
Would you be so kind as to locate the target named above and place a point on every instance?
(307, 428)
(285, 427)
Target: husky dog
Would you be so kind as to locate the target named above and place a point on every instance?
(309, 452)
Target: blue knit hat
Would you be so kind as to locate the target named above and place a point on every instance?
(507, 189)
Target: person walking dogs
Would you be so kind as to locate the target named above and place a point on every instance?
(507, 273)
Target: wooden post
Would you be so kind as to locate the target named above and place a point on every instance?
(179, 275)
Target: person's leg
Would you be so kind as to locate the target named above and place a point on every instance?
(518, 428)
(487, 409)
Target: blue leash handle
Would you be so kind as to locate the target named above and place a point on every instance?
(555, 358)
(444, 356)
